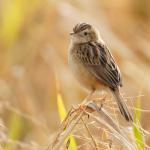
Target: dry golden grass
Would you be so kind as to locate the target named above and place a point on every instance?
(34, 38)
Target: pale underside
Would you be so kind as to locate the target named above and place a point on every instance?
(94, 66)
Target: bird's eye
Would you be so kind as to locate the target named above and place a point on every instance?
(85, 33)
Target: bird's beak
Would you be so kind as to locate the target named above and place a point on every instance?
(72, 33)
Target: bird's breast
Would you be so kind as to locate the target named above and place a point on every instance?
(82, 73)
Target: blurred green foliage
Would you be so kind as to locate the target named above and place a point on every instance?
(14, 130)
(139, 139)
(62, 114)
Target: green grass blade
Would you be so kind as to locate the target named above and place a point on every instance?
(62, 114)
(14, 130)
(136, 128)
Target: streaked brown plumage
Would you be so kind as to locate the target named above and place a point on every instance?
(94, 65)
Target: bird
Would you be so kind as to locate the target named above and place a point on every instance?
(93, 64)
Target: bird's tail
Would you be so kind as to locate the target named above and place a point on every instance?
(122, 105)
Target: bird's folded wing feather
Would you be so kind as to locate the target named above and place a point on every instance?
(100, 63)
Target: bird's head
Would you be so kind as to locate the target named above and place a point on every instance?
(83, 33)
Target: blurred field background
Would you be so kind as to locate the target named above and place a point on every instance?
(34, 39)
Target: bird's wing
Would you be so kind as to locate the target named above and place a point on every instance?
(99, 61)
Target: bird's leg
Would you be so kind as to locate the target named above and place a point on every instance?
(82, 106)
(88, 97)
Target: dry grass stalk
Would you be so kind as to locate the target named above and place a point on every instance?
(75, 115)
(66, 128)
(88, 130)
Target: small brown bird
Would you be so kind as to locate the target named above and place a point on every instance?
(93, 64)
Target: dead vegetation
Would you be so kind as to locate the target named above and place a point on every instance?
(90, 117)
(34, 37)
(78, 115)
